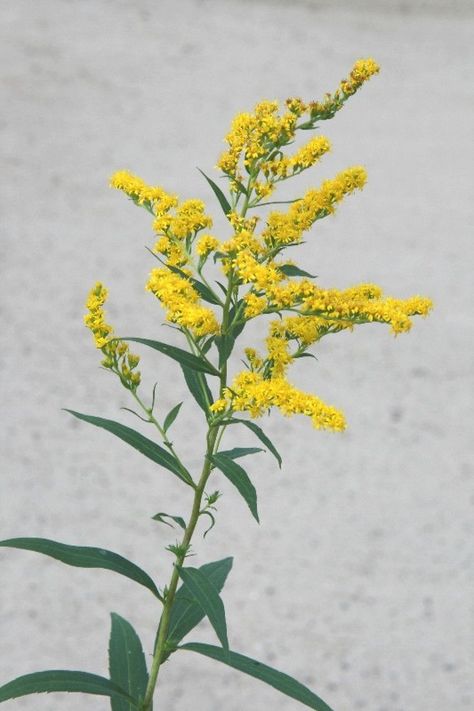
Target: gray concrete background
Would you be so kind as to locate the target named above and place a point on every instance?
(359, 580)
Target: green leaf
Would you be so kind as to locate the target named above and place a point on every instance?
(239, 478)
(61, 680)
(213, 522)
(198, 388)
(144, 445)
(205, 293)
(183, 357)
(238, 328)
(177, 519)
(207, 345)
(223, 202)
(127, 664)
(171, 416)
(261, 435)
(291, 270)
(186, 614)
(280, 681)
(237, 452)
(85, 557)
(206, 595)
(305, 355)
(224, 344)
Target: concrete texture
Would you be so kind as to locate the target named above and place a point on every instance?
(359, 580)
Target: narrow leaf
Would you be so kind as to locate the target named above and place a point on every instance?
(61, 680)
(213, 522)
(306, 355)
(238, 452)
(237, 329)
(144, 445)
(206, 595)
(261, 435)
(223, 202)
(186, 614)
(205, 293)
(177, 519)
(127, 664)
(280, 681)
(224, 344)
(171, 416)
(85, 557)
(239, 478)
(183, 357)
(207, 345)
(198, 388)
(292, 270)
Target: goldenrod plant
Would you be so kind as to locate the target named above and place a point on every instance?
(256, 281)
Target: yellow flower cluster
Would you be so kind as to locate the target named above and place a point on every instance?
(175, 228)
(117, 355)
(254, 136)
(190, 217)
(336, 309)
(362, 70)
(248, 269)
(174, 251)
(353, 305)
(251, 393)
(206, 245)
(278, 357)
(137, 189)
(242, 239)
(286, 228)
(286, 166)
(251, 135)
(182, 303)
(95, 318)
(254, 359)
(263, 190)
(254, 305)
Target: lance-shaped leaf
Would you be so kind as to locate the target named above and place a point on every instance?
(261, 435)
(223, 202)
(62, 680)
(206, 595)
(127, 664)
(224, 345)
(189, 360)
(177, 519)
(238, 452)
(292, 270)
(206, 293)
(186, 614)
(239, 478)
(146, 446)
(280, 681)
(198, 388)
(171, 416)
(85, 557)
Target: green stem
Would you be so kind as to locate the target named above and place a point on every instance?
(165, 616)
(213, 438)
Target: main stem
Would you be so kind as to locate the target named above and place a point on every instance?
(165, 616)
(212, 438)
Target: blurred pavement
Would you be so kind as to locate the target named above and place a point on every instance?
(359, 580)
